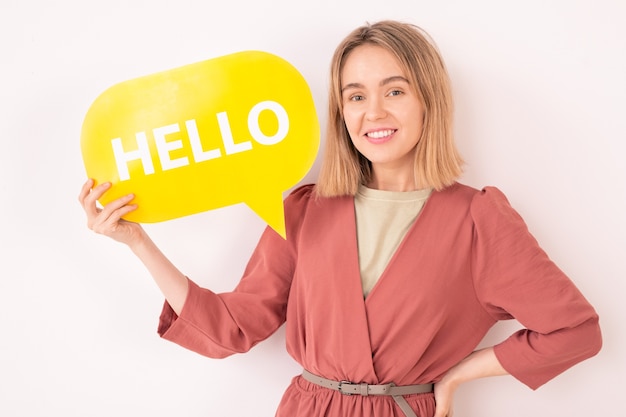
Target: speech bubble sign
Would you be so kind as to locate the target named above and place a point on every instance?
(233, 129)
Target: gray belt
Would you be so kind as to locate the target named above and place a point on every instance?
(352, 388)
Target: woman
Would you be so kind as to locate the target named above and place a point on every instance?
(392, 271)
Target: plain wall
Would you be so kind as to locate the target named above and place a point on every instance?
(540, 96)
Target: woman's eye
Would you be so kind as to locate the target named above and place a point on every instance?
(395, 92)
(356, 97)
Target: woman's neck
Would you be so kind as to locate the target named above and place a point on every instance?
(392, 180)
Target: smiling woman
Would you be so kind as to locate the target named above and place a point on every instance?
(413, 63)
(392, 272)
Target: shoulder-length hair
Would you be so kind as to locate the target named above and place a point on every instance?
(437, 160)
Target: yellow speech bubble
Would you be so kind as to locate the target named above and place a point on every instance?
(238, 128)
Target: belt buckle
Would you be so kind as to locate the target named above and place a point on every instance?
(341, 384)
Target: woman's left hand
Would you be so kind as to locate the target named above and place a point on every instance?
(479, 364)
(444, 394)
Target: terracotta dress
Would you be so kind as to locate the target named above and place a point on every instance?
(467, 262)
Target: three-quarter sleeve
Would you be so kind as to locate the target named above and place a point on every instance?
(514, 278)
(219, 325)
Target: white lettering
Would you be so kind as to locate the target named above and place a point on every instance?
(142, 153)
(227, 136)
(164, 148)
(283, 123)
(199, 155)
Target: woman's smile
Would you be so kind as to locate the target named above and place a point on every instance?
(380, 135)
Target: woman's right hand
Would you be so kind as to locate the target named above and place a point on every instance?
(108, 220)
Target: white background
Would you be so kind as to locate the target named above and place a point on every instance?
(540, 91)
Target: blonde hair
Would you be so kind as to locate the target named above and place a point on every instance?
(437, 160)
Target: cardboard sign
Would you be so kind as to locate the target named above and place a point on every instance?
(238, 128)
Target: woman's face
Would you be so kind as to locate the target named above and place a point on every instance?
(381, 110)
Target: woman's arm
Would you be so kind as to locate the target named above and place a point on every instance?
(479, 364)
(108, 221)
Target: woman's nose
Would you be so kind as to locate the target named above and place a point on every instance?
(375, 109)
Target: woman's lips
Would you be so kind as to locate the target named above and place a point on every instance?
(380, 136)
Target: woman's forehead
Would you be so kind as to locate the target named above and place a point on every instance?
(371, 63)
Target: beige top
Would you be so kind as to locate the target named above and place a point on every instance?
(382, 220)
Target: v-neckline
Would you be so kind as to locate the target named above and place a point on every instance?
(397, 252)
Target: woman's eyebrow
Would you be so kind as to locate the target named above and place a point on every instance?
(351, 85)
(385, 81)
(394, 78)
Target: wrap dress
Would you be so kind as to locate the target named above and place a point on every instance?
(467, 262)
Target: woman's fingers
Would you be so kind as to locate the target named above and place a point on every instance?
(101, 219)
(85, 190)
(112, 208)
(110, 215)
(89, 195)
(108, 220)
(443, 400)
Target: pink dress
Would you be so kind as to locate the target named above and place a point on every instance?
(467, 262)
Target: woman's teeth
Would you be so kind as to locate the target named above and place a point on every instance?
(380, 134)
